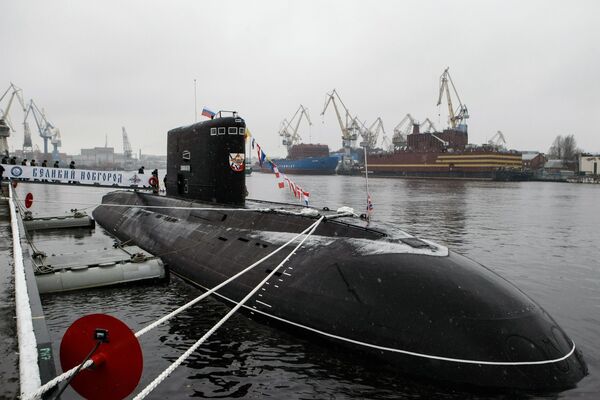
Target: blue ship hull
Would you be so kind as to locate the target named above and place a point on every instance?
(306, 166)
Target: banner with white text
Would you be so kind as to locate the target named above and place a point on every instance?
(83, 176)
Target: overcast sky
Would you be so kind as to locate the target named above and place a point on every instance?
(528, 68)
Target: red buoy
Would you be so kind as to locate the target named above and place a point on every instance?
(118, 361)
(153, 181)
(28, 200)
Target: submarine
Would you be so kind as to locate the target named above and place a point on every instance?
(409, 303)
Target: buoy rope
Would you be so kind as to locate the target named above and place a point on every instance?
(61, 378)
(66, 375)
(77, 369)
(148, 389)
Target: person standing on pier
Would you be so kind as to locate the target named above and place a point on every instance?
(56, 165)
(5, 160)
(2, 171)
(33, 164)
(13, 161)
(141, 170)
(156, 186)
(72, 166)
(45, 165)
(24, 163)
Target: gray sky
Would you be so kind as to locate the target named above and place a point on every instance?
(527, 68)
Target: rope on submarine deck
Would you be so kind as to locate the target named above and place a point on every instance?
(212, 330)
(66, 375)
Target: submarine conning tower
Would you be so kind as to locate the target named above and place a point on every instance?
(206, 160)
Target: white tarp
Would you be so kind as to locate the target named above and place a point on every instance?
(85, 176)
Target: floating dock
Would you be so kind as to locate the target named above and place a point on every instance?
(111, 266)
(77, 220)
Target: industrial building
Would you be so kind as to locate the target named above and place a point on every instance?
(589, 164)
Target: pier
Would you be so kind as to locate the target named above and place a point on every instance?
(25, 345)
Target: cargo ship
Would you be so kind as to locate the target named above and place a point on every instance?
(307, 159)
(447, 155)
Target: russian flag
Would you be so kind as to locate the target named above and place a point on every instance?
(207, 113)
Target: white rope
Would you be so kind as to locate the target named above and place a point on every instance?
(219, 286)
(50, 384)
(29, 373)
(66, 375)
(195, 346)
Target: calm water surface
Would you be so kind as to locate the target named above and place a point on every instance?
(544, 237)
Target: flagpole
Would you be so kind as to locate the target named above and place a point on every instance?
(367, 181)
(195, 104)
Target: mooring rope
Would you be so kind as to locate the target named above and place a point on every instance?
(219, 286)
(148, 389)
(66, 375)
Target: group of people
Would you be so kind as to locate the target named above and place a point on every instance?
(154, 183)
(32, 163)
(13, 161)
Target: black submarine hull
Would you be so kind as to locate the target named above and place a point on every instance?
(412, 304)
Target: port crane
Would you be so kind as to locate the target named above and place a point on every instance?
(401, 130)
(498, 141)
(56, 143)
(127, 152)
(427, 126)
(5, 125)
(386, 143)
(290, 135)
(348, 125)
(47, 131)
(457, 119)
(370, 135)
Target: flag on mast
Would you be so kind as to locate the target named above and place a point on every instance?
(208, 113)
(369, 206)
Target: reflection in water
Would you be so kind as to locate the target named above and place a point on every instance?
(541, 236)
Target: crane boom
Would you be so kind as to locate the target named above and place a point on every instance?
(456, 119)
(401, 130)
(290, 135)
(127, 152)
(331, 99)
(46, 129)
(5, 125)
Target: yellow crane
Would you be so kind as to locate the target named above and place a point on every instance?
(456, 118)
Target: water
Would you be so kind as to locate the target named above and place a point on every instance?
(541, 236)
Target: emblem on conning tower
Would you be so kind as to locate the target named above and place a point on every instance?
(236, 161)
